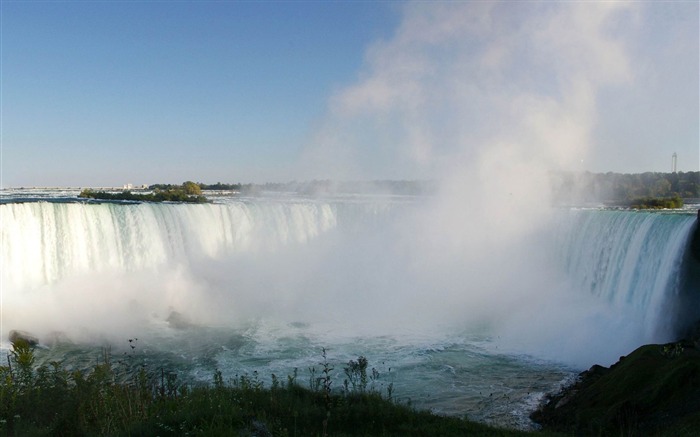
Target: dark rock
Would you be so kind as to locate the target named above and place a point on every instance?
(55, 338)
(596, 371)
(686, 304)
(16, 335)
(178, 321)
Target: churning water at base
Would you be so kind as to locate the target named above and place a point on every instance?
(465, 375)
(264, 284)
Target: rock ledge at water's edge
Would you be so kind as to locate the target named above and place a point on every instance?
(655, 390)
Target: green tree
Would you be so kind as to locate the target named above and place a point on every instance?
(191, 188)
(662, 187)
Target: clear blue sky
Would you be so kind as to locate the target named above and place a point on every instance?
(110, 92)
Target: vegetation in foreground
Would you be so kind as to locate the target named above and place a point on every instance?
(655, 390)
(189, 192)
(58, 402)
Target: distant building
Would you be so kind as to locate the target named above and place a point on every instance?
(135, 187)
(674, 162)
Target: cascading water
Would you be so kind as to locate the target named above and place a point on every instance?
(630, 259)
(262, 284)
(44, 242)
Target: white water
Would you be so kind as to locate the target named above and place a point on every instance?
(47, 242)
(266, 283)
(629, 259)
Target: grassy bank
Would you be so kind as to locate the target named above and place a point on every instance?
(111, 399)
(654, 391)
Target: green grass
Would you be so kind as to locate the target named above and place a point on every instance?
(655, 390)
(52, 401)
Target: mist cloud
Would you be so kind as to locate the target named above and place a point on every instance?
(487, 98)
(468, 81)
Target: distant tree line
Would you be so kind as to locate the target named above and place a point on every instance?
(624, 189)
(319, 187)
(202, 186)
(649, 190)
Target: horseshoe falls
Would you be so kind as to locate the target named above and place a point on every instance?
(478, 325)
(637, 262)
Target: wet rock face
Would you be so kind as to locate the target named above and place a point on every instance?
(695, 239)
(687, 308)
(16, 335)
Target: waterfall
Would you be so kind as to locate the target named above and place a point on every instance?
(631, 259)
(354, 265)
(44, 242)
